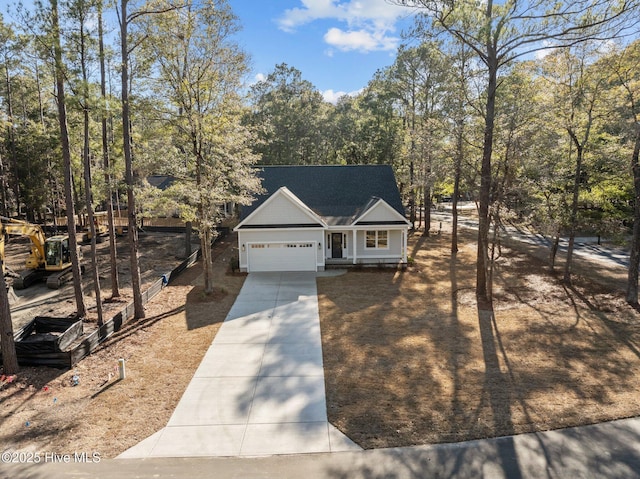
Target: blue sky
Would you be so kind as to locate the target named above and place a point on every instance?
(336, 44)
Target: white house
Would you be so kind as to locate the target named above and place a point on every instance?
(313, 216)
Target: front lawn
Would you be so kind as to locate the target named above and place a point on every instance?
(409, 359)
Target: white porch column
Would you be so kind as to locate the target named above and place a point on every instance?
(355, 245)
(404, 246)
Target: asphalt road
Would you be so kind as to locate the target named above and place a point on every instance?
(585, 247)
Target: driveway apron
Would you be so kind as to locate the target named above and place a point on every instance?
(260, 387)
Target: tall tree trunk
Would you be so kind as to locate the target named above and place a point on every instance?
(207, 262)
(11, 138)
(126, 136)
(4, 209)
(412, 160)
(574, 209)
(66, 158)
(427, 197)
(483, 288)
(113, 254)
(87, 174)
(40, 102)
(421, 209)
(634, 256)
(92, 225)
(554, 251)
(457, 171)
(7, 344)
(204, 228)
(412, 191)
(187, 239)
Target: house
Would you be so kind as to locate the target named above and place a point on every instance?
(162, 182)
(314, 216)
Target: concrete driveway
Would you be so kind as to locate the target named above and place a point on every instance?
(260, 387)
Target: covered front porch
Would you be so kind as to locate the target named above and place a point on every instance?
(366, 245)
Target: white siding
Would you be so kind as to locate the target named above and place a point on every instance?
(394, 251)
(381, 212)
(280, 211)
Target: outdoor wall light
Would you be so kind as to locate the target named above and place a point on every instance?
(242, 247)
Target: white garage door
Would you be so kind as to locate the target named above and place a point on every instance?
(294, 256)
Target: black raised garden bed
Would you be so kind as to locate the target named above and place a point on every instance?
(45, 335)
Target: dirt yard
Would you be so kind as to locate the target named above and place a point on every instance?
(409, 359)
(158, 253)
(42, 411)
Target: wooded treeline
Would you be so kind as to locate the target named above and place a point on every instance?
(88, 114)
(528, 108)
(532, 109)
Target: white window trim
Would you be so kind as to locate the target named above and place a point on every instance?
(377, 240)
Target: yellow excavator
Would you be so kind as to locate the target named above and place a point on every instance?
(101, 226)
(49, 257)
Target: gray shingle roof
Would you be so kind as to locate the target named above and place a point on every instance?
(161, 182)
(339, 194)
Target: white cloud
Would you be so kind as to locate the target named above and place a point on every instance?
(547, 48)
(260, 77)
(354, 12)
(360, 40)
(370, 24)
(333, 96)
(313, 10)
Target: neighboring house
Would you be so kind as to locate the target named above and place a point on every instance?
(162, 182)
(313, 216)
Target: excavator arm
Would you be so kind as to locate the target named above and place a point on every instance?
(49, 258)
(33, 232)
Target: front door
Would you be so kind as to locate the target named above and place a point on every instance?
(336, 245)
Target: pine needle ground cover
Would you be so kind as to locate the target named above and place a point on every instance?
(410, 359)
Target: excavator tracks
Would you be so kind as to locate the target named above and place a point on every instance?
(27, 278)
(56, 280)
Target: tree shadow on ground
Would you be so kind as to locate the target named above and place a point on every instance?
(606, 450)
(205, 309)
(414, 360)
(390, 355)
(624, 333)
(133, 326)
(497, 388)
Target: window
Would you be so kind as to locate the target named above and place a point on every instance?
(371, 239)
(382, 239)
(377, 239)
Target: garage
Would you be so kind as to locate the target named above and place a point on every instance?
(282, 256)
